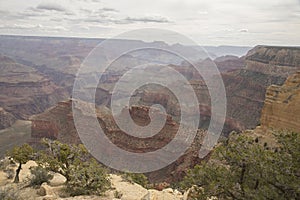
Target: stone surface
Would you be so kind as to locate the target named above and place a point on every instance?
(246, 88)
(57, 180)
(165, 195)
(130, 191)
(25, 172)
(281, 110)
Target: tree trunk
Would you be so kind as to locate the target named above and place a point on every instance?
(17, 173)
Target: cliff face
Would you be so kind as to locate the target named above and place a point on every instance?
(246, 88)
(24, 91)
(282, 106)
(57, 123)
(275, 56)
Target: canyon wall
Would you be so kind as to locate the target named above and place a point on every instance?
(281, 110)
(57, 123)
(24, 91)
(246, 88)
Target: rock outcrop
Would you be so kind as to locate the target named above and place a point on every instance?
(281, 110)
(229, 63)
(55, 123)
(55, 190)
(58, 123)
(246, 88)
(246, 80)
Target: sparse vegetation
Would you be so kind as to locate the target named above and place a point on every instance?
(241, 168)
(39, 175)
(60, 158)
(140, 179)
(118, 194)
(21, 155)
(85, 176)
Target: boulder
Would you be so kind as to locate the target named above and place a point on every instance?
(167, 194)
(57, 180)
(130, 191)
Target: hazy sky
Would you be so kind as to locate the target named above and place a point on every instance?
(211, 22)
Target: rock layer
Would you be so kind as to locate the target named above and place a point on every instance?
(58, 123)
(282, 106)
(24, 91)
(246, 88)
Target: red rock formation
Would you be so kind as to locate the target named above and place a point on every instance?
(44, 129)
(57, 123)
(246, 88)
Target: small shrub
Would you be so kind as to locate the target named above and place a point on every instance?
(4, 164)
(118, 194)
(140, 179)
(39, 175)
(10, 173)
(88, 178)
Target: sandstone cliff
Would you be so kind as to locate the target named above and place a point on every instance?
(246, 88)
(282, 106)
(245, 85)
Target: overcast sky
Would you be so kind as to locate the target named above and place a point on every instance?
(210, 22)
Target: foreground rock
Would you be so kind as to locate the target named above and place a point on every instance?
(55, 189)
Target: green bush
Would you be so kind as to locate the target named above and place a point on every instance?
(241, 168)
(85, 176)
(118, 194)
(39, 175)
(21, 154)
(88, 178)
(140, 179)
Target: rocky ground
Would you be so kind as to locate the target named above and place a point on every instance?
(54, 190)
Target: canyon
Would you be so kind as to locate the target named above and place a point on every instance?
(57, 123)
(24, 91)
(38, 75)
